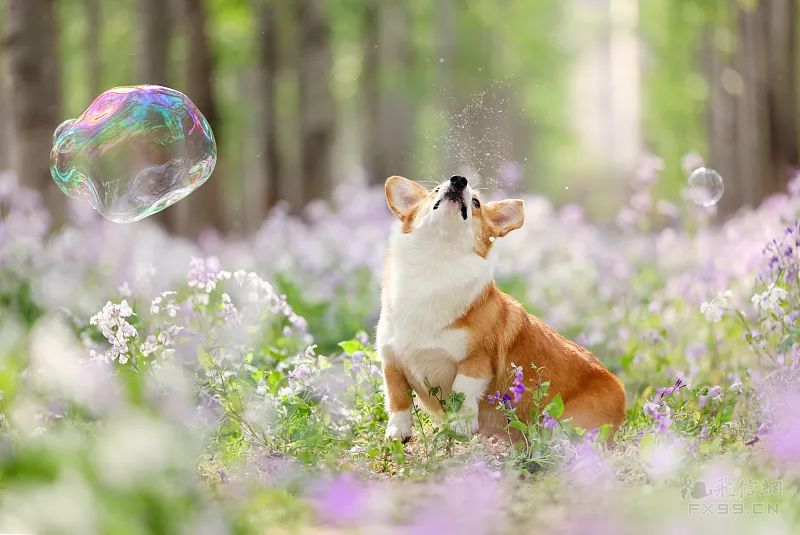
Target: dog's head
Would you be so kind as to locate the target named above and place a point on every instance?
(452, 213)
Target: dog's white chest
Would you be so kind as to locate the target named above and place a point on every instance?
(429, 354)
(430, 287)
(423, 330)
(419, 312)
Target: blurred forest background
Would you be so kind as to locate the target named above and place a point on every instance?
(558, 97)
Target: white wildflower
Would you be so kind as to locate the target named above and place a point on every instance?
(203, 274)
(714, 310)
(229, 310)
(165, 301)
(115, 328)
(125, 290)
(149, 345)
(769, 301)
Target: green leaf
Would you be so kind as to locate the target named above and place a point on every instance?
(571, 430)
(556, 407)
(516, 424)
(274, 380)
(455, 401)
(446, 431)
(626, 361)
(605, 433)
(646, 444)
(541, 391)
(350, 346)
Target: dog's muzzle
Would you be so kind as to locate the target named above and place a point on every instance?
(455, 193)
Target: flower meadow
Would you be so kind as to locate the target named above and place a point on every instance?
(151, 384)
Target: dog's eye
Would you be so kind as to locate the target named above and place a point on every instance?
(476, 203)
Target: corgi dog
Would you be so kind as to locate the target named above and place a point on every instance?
(444, 323)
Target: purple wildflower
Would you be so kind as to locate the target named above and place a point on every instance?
(651, 409)
(517, 387)
(781, 438)
(737, 384)
(661, 415)
(591, 436)
(714, 393)
(666, 392)
(299, 374)
(691, 161)
(468, 502)
(500, 398)
(649, 169)
(357, 359)
(664, 420)
(511, 175)
(515, 390)
(340, 500)
(548, 422)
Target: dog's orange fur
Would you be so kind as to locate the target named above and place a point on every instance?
(502, 334)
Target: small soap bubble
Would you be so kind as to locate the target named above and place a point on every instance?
(135, 151)
(705, 187)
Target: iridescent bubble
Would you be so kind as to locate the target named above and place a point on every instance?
(135, 151)
(705, 187)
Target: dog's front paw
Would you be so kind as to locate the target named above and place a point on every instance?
(465, 423)
(399, 426)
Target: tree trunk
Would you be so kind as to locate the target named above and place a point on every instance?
(5, 130)
(155, 23)
(94, 28)
(753, 112)
(199, 74)
(781, 52)
(35, 97)
(722, 118)
(446, 18)
(204, 208)
(268, 72)
(316, 106)
(396, 110)
(372, 156)
(154, 41)
(753, 127)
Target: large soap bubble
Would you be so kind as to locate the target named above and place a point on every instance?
(705, 187)
(134, 151)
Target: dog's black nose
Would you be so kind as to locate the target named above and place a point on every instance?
(458, 182)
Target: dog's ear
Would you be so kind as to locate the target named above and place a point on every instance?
(505, 216)
(402, 194)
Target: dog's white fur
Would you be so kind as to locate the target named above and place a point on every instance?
(473, 390)
(435, 277)
(399, 427)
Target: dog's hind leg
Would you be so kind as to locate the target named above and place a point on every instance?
(604, 403)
